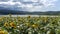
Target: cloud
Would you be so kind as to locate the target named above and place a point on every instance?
(28, 5)
(4, 0)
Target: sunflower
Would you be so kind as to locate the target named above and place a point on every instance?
(35, 25)
(12, 25)
(28, 24)
(1, 19)
(6, 24)
(1, 32)
(45, 19)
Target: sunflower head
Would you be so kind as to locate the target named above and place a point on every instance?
(6, 24)
(28, 24)
(1, 19)
(13, 25)
(35, 25)
(45, 19)
(1, 32)
(29, 16)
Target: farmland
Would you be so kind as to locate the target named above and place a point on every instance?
(29, 24)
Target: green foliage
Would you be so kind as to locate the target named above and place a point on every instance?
(30, 25)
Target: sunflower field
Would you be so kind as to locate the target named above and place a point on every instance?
(29, 25)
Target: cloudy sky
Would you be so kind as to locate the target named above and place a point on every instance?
(30, 5)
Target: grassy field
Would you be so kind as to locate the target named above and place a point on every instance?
(29, 24)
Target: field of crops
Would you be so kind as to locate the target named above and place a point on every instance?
(29, 25)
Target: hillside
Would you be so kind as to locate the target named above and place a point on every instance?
(5, 12)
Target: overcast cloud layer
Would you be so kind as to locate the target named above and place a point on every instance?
(27, 5)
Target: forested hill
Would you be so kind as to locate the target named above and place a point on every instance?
(14, 12)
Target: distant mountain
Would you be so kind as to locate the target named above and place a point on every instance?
(6, 12)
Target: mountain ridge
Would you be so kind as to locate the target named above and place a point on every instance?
(5, 12)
